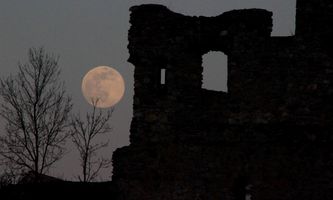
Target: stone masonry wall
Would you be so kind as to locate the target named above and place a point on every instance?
(269, 137)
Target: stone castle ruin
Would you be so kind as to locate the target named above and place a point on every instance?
(269, 137)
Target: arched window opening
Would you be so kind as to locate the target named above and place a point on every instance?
(215, 71)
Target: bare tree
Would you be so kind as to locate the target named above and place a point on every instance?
(85, 135)
(36, 109)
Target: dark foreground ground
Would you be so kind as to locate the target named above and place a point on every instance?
(62, 190)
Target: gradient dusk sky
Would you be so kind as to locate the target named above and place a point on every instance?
(86, 33)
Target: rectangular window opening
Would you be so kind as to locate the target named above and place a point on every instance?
(162, 76)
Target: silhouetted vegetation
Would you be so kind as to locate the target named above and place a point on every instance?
(36, 110)
(6, 179)
(84, 133)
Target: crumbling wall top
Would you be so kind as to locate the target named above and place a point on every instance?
(157, 32)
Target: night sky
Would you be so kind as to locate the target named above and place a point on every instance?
(86, 33)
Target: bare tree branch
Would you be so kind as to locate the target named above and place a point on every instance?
(36, 109)
(84, 135)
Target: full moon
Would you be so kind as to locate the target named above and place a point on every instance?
(104, 84)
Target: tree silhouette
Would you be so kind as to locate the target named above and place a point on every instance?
(36, 109)
(84, 135)
(7, 178)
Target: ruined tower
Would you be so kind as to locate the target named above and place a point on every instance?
(269, 137)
